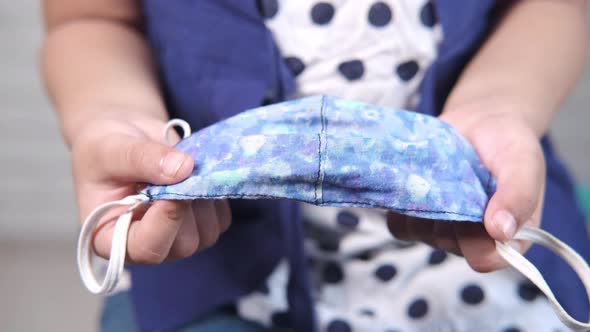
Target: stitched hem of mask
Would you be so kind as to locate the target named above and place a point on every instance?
(322, 148)
(477, 218)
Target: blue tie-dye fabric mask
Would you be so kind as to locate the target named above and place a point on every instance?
(328, 151)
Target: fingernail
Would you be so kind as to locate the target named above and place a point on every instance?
(171, 163)
(505, 223)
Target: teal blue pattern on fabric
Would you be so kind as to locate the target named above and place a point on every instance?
(329, 151)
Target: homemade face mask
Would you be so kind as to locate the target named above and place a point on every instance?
(327, 151)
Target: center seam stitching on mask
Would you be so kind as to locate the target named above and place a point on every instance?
(324, 119)
(321, 137)
(149, 195)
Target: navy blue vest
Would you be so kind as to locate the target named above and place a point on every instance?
(216, 58)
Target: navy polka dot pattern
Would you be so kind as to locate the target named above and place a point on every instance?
(472, 294)
(329, 243)
(418, 309)
(437, 256)
(367, 312)
(407, 70)
(281, 320)
(267, 8)
(296, 66)
(325, 239)
(347, 219)
(428, 15)
(385, 272)
(366, 255)
(352, 70)
(322, 13)
(332, 273)
(380, 14)
(512, 329)
(527, 291)
(346, 38)
(263, 289)
(338, 325)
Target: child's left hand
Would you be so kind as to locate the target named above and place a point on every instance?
(510, 149)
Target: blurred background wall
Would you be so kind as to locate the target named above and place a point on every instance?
(39, 285)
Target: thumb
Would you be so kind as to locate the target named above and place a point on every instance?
(520, 175)
(127, 158)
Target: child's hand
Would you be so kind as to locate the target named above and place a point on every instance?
(511, 151)
(110, 157)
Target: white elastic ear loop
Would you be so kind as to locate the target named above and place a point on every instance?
(186, 129)
(118, 248)
(119, 241)
(519, 262)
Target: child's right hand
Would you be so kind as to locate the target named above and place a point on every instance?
(115, 152)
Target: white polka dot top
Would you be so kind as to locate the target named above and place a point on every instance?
(362, 278)
(371, 51)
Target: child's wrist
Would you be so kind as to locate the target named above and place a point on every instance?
(468, 116)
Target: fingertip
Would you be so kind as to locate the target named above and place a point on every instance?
(397, 225)
(137, 159)
(186, 168)
(445, 237)
(486, 267)
(478, 249)
(223, 212)
(176, 165)
(501, 225)
(421, 229)
(520, 174)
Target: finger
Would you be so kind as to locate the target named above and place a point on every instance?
(132, 159)
(151, 238)
(103, 232)
(421, 229)
(522, 245)
(477, 247)
(223, 213)
(207, 223)
(520, 181)
(445, 238)
(398, 226)
(103, 235)
(187, 239)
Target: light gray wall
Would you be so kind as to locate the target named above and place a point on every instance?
(36, 199)
(571, 129)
